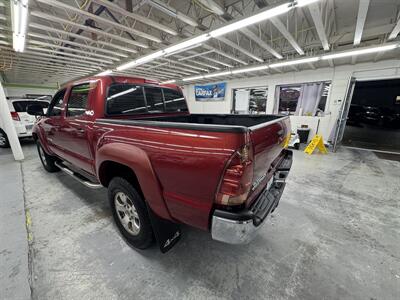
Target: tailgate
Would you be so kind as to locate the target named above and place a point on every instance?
(268, 140)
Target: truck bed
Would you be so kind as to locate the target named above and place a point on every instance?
(206, 122)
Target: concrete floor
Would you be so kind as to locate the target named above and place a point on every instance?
(335, 235)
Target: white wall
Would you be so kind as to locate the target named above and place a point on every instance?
(339, 76)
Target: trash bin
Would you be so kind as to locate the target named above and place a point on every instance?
(303, 134)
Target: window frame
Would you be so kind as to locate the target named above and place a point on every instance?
(52, 104)
(69, 98)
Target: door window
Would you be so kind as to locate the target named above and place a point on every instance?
(78, 100)
(55, 106)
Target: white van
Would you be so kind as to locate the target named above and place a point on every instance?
(22, 121)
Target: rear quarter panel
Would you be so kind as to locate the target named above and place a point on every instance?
(188, 165)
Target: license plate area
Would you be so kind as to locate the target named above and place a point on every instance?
(29, 127)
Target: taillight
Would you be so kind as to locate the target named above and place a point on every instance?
(236, 182)
(15, 116)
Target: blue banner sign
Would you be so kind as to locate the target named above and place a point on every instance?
(210, 92)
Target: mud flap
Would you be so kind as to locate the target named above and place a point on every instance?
(167, 233)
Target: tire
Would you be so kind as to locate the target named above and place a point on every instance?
(47, 160)
(297, 146)
(130, 213)
(4, 143)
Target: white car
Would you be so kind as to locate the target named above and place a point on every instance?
(22, 121)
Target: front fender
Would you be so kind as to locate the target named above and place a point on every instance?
(136, 159)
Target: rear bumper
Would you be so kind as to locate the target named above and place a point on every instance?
(241, 227)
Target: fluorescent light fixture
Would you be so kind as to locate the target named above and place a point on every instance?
(294, 62)
(301, 3)
(141, 60)
(360, 51)
(19, 19)
(168, 81)
(183, 50)
(259, 68)
(217, 74)
(188, 43)
(193, 78)
(267, 14)
(106, 72)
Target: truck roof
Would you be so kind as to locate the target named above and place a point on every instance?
(120, 79)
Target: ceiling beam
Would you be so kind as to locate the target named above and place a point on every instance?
(67, 42)
(100, 19)
(225, 16)
(81, 37)
(361, 17)
(171, 11)
(84, 58)
(248, 33)
(282, 28)
(58, 47)
(135, 16)
(241, 49)
(87, 28)
(316, 15)
(396, 29)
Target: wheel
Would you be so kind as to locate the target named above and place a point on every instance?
(297, 146)
(130, 213)
(4, 143)
(47, 160)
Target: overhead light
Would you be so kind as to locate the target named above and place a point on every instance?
(217, 74)
(267, 14)
(141, 60)
(294, 62)
(182, 50)
(264, 15)
(19, 17)
(301, 3)
(106, 72)
(360, 51)
(168, 81)
(253, 69)
(188, 43)
(193, 78)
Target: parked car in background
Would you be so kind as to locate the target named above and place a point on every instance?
(162, 165)
(23, 122)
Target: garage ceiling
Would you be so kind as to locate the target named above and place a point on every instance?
(73, 38)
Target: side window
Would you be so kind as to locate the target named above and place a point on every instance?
(56, 104)
(174, 101)
(78, 100)
(154, 99)
(125, 99)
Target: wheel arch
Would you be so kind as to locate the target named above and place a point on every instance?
(120, 159)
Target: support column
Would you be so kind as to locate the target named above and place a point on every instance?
(8, 126)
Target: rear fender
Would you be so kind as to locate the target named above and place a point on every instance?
(136, 159)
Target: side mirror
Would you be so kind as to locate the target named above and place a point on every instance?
(35, 110)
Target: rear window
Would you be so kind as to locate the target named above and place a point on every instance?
(133, 99)
(125, 99)
(174, 101)
(154, 99)
(21, 106)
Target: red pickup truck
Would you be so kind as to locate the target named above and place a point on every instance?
(162, 165)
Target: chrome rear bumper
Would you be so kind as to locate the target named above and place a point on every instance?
(241, 227)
